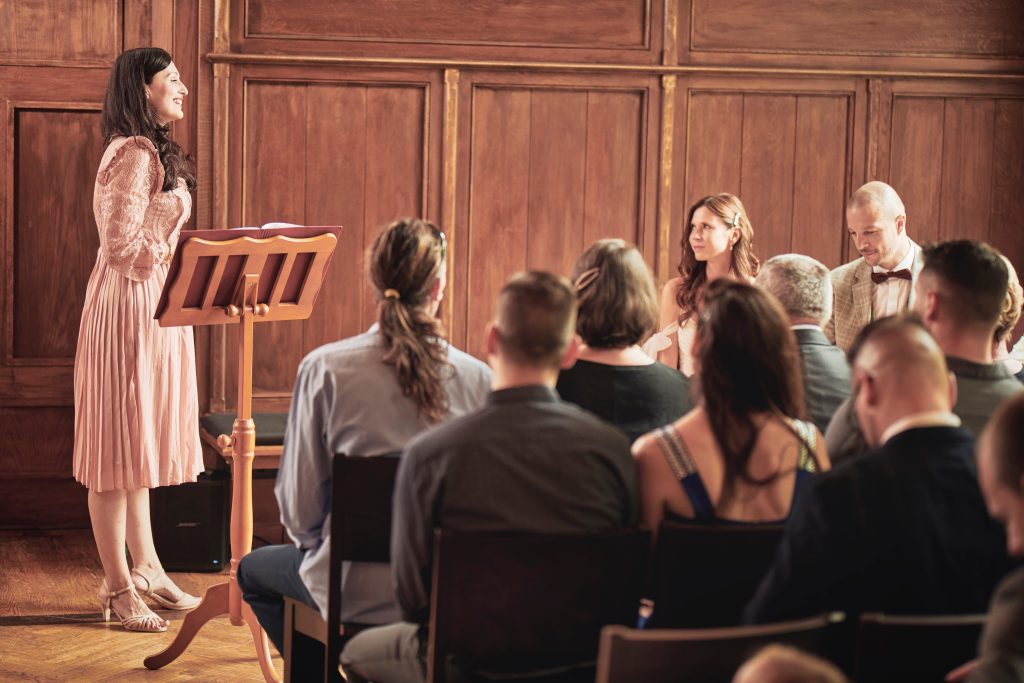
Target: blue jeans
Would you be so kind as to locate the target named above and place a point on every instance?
(268, 575)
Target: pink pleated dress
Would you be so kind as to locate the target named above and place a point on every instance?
(136, 405)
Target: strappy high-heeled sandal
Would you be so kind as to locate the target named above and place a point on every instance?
(146, 623)
(149, 585)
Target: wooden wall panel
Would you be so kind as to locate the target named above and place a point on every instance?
(1008, 180)
(957, 160)
(565, 23)
(785, 147)
(343, 152)
(56, 153)
(867, 33)
(552, 167)
(916, 162)
(60, 31)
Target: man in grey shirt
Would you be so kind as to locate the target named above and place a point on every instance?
(350, 398)
(525, 462)
(959, 295)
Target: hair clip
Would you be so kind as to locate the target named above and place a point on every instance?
(736, 219)
(585, 278)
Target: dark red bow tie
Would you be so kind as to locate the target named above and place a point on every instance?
(902, 274)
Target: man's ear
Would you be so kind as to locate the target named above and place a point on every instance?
(932, 306)
(491, 340)
(869, 388)
(571, 352)
(901, 224)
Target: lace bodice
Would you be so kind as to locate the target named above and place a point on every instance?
(137, 222)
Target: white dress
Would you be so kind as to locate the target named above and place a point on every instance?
(674, 333)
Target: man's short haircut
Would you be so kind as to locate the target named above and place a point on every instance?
(972, 279)
(802, 285)
(618, 306)
(536, 318)
(1005, 436)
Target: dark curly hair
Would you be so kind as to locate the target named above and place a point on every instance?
(126, 112)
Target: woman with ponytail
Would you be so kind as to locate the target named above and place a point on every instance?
(366, 395)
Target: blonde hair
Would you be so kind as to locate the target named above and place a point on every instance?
(1011, 305)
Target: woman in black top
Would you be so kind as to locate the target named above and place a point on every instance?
(613, 378)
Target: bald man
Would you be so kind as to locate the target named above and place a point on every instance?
(879, 283)
(784, 664)
(903, 529)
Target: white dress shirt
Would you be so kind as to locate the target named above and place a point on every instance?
(893, 295)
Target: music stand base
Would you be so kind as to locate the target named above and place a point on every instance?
(213, 605)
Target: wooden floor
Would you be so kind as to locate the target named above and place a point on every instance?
(50, 628)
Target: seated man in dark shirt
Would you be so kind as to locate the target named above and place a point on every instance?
(1001, 474)
(525, 462)
(904, 529)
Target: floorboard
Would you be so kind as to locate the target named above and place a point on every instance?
(50, 628)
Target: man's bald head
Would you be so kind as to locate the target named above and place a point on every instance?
(879, 194)
(898, 370)
(783, 664)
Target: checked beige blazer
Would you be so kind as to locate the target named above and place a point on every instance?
(852, 294)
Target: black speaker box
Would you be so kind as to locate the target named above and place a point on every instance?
(190, 523)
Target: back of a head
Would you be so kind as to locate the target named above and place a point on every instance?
(535, 319)
(903, 358)
(880, 195)
(1004, 441)
(784, 664)
(746, 352)
(971, 279)
(617, 303)
(405, 263)
(802, 285)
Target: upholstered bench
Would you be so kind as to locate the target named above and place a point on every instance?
(269, 439)
(266, 516)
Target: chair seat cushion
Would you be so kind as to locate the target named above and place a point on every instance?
(269, 426)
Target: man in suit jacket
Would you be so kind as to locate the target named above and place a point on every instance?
(904, 529)
(960, 295)
(1001, 474)
(803, 287)
(879, 282)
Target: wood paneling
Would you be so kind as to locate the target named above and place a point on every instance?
(37, 442)
(345, 152)
(604, 31)
(56, 152)
(565, 23)
(552, 166)
(786, 148)
(60, 31)
(956, 158)
(869, 33)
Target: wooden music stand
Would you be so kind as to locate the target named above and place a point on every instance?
(223, 277)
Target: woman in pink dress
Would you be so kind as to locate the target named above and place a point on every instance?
(136, 407)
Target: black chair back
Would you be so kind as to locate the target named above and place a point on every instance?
(915, 648)
(704, 575)
(506, 604)
(705, 655)
(361, 493)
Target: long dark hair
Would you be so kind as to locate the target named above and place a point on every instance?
(694, 273)
(126, 112)
(405, 261)
(749, 364)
